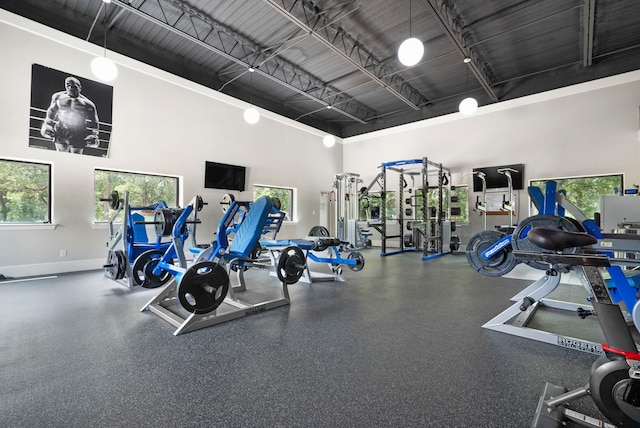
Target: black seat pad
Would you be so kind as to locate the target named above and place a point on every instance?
(558, 239)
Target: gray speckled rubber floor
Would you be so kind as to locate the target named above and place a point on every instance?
(399, 344)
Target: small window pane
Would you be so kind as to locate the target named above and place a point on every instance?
(25, 192)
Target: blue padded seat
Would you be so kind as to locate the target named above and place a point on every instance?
(250, 230)
(139, 230)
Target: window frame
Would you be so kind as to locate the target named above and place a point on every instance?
(49, 209)
(532, 208)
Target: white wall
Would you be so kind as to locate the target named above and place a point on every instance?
(586, 129)
(161, 124)
(164, 124)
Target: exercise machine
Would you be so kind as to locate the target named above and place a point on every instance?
(508, 205)
(614, 381)
(481, 203)
(346, 212)
(129, 239)
(319, 247)
(201, 295)
(177, 224)
(494, 254)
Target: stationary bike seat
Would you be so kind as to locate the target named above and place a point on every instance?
(558, 239)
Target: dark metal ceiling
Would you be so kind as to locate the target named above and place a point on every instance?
(333, 64)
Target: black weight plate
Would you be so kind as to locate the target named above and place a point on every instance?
(122, 264)
(199, 203)
(454, 243)
(111, 268)
(319, 231)
(142, 270)
(291, 265)
(203, 287)
(162, 219)
(499, 264)
(227, 200)
(114, 200)
(521, 242)
(359, 258)
(277, 204)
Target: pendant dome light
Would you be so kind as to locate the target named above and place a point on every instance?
(104, 69)
(469, 105)
(101, 66)
(411, 50)
(251, 114)
(329, 140)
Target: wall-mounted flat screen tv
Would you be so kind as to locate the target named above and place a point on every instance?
(224, 176)
(496, 180)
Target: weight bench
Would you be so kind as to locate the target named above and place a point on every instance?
(311, 246)
(201, 296)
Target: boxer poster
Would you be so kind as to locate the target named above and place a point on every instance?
(69, 113)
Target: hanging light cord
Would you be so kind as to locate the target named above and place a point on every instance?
(251, 86)
(94, 22)
(467, 61)
(409, 18)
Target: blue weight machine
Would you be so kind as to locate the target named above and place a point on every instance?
(201, 295)
(129, 240)
(319, 249)
(491, 253)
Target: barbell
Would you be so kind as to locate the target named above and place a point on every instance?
(165, 218)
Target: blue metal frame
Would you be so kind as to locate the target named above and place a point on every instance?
(308, 245)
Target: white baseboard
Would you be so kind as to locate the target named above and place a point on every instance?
(51, 268)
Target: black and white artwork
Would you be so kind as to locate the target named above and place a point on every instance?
(69, 113)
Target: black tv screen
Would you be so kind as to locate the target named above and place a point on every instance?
(224, 176)
(496, 180)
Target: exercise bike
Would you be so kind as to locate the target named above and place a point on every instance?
(614, 382)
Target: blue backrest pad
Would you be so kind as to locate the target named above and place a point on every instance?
(251, 228)
(139, 230)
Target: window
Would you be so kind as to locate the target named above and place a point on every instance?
(586, 192)
(25, 192)
(144, 190)
(285, 194)
(370, 206)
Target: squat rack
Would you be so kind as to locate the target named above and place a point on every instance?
(402, 167)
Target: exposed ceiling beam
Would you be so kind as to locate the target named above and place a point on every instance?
(448, 21)
(317, 22)
(588, 22)
(226, 42)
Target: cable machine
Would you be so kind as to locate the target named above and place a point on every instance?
(347, 208)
